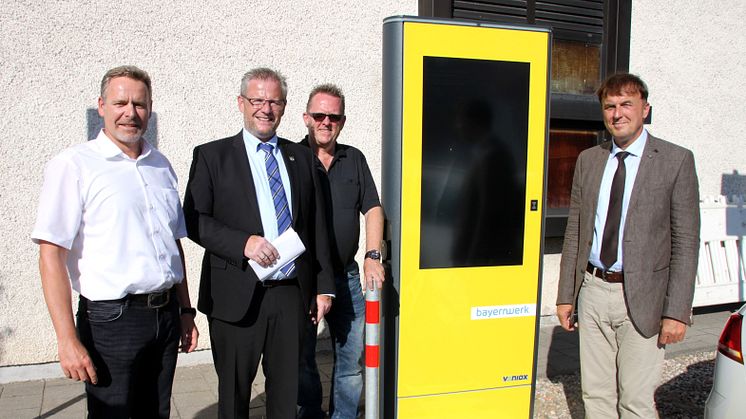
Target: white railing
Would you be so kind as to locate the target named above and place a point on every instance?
(721, 277)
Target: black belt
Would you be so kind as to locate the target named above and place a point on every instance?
(151, 300)
(613, 277)
(271, 283)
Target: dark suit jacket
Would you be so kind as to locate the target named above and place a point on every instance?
(222, 212)
(661, 235)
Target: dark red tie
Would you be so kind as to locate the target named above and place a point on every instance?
(610, 240)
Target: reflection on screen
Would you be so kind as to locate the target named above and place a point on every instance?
(474, 140)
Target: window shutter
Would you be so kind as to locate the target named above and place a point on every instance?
(573, 20)
(576, 20)
(501, 11)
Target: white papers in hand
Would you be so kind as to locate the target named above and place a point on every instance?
(289, 246)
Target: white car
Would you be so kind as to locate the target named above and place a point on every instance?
(728, 398)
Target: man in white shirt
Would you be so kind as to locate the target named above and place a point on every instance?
(109, 223)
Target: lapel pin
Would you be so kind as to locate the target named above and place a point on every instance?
(291, 158)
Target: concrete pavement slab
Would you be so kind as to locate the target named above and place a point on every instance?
(32, 401)
(19, 413)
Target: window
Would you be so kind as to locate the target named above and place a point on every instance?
(590, 41)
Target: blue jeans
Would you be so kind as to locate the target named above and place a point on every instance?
(346, 322)
(134, 350)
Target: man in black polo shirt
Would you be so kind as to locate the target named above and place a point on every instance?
(350, 191)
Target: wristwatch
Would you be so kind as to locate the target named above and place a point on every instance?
(187, 310)
(373, 254)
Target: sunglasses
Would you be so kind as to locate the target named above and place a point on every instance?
(320, 117)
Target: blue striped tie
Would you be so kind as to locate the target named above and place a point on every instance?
(278, 197)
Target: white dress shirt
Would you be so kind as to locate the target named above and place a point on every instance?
(631, 165)
(118, 217)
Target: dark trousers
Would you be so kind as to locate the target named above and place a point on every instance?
(270, 331)
(134, 350)
(346, 322)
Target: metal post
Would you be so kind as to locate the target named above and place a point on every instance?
(372, 350)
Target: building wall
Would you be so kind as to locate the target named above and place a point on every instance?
(53, 55)
(692, 56)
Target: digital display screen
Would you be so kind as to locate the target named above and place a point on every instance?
(474, 152)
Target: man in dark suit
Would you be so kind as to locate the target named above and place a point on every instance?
(630, 255)
(243, 192)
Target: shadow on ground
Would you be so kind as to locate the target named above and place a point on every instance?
(59, 409)
(257, 409)
(684, 396)
(563, 366)
(573, 395)
(562, 354)
(209, 412)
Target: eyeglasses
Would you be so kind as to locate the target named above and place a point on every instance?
(258, 103)
(320, 117)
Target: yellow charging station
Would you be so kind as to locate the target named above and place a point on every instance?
(464, 134)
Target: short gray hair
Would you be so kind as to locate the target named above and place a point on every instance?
(331, 90)
(264, 73)
(129, 71)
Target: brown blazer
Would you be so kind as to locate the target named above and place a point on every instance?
(661, 235)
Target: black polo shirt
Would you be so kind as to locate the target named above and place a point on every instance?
(349, 191)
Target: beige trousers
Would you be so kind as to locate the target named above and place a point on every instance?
(619, 368)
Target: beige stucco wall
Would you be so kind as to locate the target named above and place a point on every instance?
(53, 55)
(692, 56)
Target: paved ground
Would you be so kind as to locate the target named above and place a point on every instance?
(195, 387)
(194, 394)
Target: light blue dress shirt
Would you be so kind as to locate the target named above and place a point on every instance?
(632, 164)
(261, 184)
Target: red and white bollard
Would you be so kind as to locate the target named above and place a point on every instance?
(372, 350)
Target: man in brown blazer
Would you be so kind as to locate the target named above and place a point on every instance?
(630, 255)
